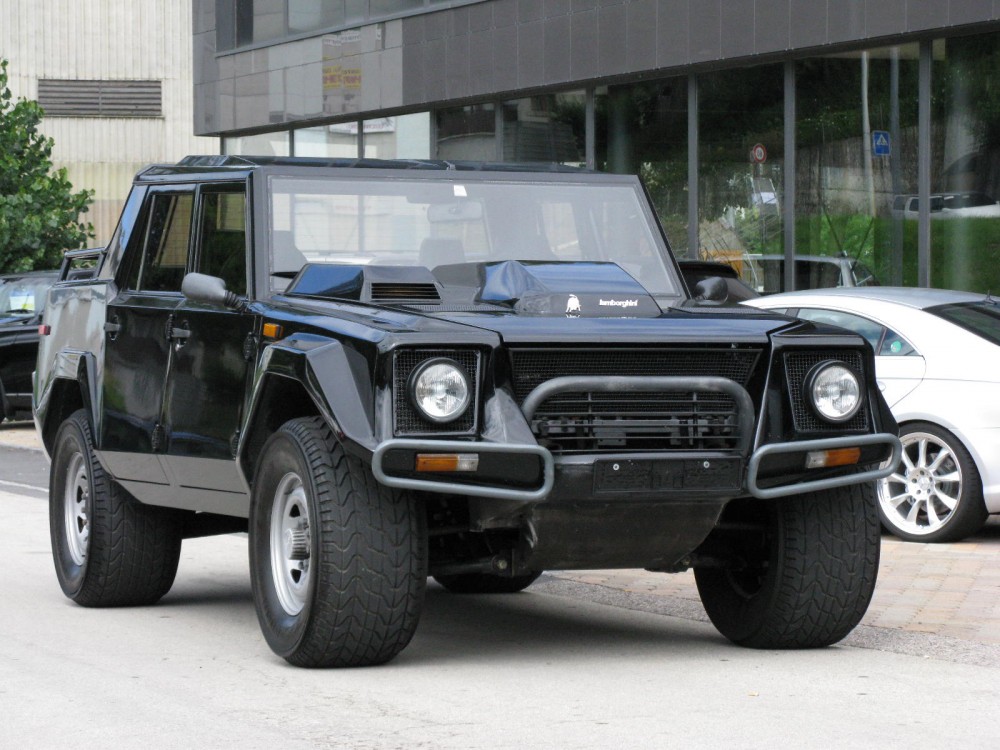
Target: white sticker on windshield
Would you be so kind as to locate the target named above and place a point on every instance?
(460, 191)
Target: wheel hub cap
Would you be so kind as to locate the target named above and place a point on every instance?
(290, 544)
(76, 509)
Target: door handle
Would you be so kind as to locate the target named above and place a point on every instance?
(113, 327)
(180, 336)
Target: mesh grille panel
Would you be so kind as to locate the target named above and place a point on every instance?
(797, 366)
(408, 420)
(646, 421)
(531, 368)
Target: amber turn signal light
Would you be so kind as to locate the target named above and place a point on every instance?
(447, 462)
(272, 331)
(836, 457)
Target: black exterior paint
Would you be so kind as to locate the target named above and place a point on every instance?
(186, 392)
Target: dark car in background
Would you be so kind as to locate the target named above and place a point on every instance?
(22, 299)
(766, 273)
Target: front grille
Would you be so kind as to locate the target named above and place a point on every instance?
(407, 419)
(681, 420)
(797, 366)
(532, 367)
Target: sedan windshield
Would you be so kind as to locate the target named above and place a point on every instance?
(420, 222)
(981, 318)
(23, 296)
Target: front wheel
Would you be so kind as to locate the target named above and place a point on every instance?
(936, 493)
(109, 549)
(338, 562)
(802, 569)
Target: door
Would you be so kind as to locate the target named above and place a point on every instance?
(137, 341)
(207, 383)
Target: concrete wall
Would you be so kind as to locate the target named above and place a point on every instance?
(107, 40)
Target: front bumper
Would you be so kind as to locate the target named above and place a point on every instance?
(644, 476)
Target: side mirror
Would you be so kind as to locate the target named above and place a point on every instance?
(199, 287)
(713, 289)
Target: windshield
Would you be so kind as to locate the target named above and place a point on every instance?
(980, 318)
(432, 223)
(23, 296)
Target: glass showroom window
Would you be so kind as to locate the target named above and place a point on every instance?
(741, 165)
(965, 164)
(329, 141)
(467, 133)
(262, 144)
(400, 137)
(547, 128)
(856, 166)
(642, 129)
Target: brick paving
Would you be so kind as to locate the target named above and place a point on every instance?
(940, 589)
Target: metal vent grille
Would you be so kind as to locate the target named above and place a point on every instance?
(382, 291)
(81, 98)
(797, 366)
(407, 420)
(606, 422)
(532, 367)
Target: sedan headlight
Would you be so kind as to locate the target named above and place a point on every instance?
(834, 391)
(439, 390)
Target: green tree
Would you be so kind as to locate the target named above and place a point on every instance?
(39, 212)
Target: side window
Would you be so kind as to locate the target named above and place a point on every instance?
(868, 329)
(165, 246)
(222, 238)
(894, 345)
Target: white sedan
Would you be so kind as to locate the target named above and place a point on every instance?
(937, 362)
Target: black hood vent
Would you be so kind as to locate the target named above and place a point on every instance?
(376, 284)
(388, 292)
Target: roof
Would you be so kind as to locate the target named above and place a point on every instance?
(216, 163)
(915, 297)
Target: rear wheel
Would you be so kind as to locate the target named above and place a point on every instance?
(484, 583)
(338, 562)
(805, 568)
(109, 549)
(936, 493)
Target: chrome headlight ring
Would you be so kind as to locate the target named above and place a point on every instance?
(439, 390)
(834, 391)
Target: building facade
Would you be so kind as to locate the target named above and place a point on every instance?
(860, 128)
(115, 80)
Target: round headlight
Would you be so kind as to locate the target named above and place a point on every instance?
(440, 390)
(834, 390)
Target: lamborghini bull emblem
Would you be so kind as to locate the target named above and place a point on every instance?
(573, 307)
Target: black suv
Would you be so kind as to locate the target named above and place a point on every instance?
(386, 371)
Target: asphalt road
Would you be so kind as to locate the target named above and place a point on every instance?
(554, 667)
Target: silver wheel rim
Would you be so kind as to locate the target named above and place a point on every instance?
(76, 507)
(290, 544)
(922, 495)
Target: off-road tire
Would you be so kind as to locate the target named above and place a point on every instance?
(126, 553)
(360, 594)
(902, 493)
(484, 583)
(810, 568)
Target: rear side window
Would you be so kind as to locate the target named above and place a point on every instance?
(980, 318)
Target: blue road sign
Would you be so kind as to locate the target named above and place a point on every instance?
(880, 143)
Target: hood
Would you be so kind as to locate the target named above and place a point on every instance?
(527, 302)
(533, 289)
